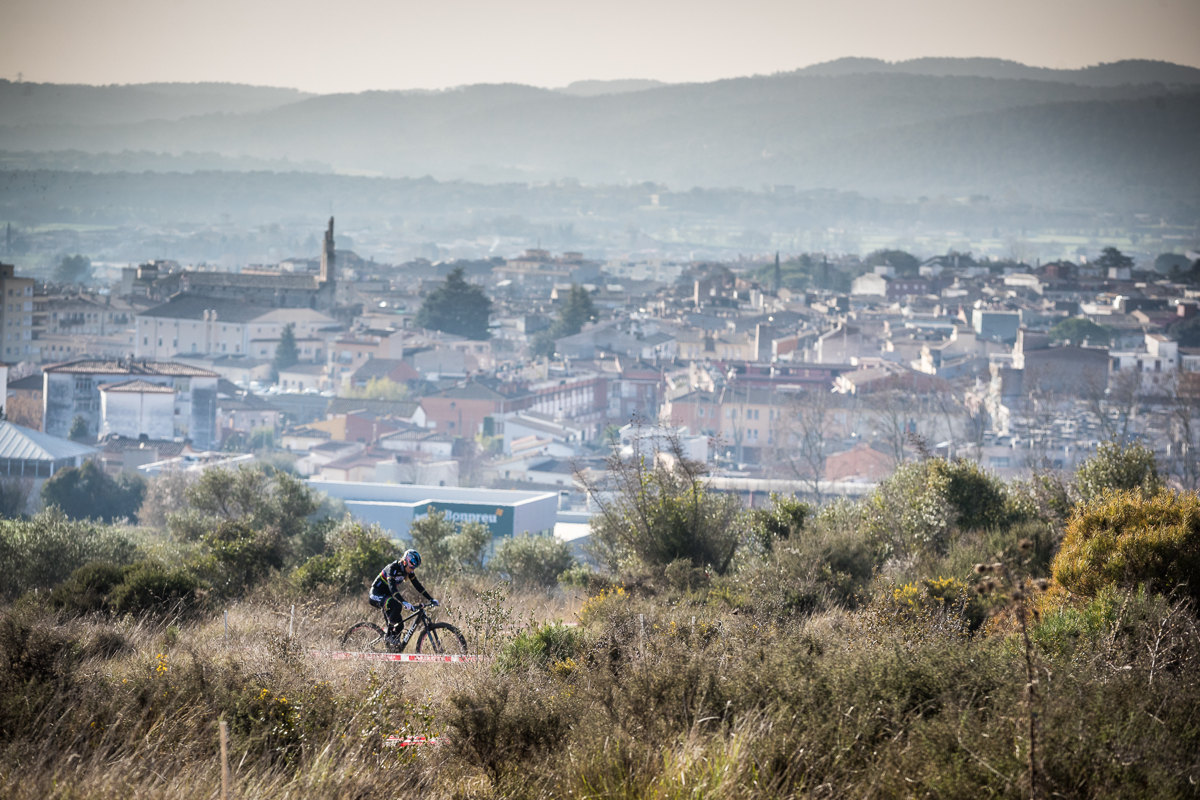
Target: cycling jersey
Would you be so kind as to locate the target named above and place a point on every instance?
(390, 579)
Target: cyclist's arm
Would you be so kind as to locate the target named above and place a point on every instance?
(416, 584)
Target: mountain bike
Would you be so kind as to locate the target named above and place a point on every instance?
(435, 637)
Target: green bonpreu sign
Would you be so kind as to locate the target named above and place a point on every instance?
(498, 519)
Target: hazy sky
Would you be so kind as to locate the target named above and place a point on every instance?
(355, 45)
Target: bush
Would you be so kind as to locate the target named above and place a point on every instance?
(657, 509)
(785, 518)
(543, 647)
(88, 588)
(429, 537)
(923, 506)
(534, 561)
(240, 556)
(40, 553)
(150, 586)
(1118, 466)
(1127, 538)
(356, 554)
(467, 547)
(87, 492)
(260, 498)
(825, 566)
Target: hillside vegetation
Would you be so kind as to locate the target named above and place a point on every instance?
(948, 636)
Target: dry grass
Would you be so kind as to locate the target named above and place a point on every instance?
(663, 697)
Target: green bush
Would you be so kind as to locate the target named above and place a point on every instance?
(543, 647)
(354, 556)
(260, 498)
(533, 561)
(1128, 538)
(824, 566)
(466, 548)
(239, 557)
(503, 724)
(430, 535)
(41, 552)
(88, 588)
(657, 509)
(924, 505)
(87, 492)
(148, 586)
(783, 519)
(1118, 466)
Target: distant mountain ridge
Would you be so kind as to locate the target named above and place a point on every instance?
(1118, 73)
(1124, 130)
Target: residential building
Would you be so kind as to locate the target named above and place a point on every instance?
(16, 317)
(191, 325)
(93, 391)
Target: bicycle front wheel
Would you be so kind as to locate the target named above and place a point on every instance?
(365, 637)
(441, 638)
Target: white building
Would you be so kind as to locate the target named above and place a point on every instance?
(73, 389)
(136, 408)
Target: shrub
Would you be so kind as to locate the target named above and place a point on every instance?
(1118, 466)
(429, 536)
(87, 492)
(534, 561)
(40, 553)
(355, 557)
(467, 547)
(826, 565)
(88, 588)
(150, 586)
(500, 724)
(240, 556)
(923, 506)
(165, 493)
(785, 518)
(1127, 538)
(657, 508)
(543, 647)
(260, 498)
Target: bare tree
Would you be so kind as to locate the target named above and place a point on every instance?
(1183, 425)
(801, 438)
(656, 507)
(1115, 406)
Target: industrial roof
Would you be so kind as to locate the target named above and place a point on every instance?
(17, 441)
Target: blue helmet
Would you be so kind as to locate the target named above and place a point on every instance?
(412, 557)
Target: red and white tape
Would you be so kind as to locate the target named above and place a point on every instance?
(447, 658)
(408, 741)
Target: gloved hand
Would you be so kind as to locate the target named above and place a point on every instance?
(407, 605)
(434, 604)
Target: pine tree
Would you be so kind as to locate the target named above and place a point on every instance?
(457, 307)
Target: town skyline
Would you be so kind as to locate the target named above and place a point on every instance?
(388, 46)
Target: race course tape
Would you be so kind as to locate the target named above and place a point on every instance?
(448, 658)
(407, 741)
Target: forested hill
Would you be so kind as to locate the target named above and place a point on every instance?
(1118, 73)
(1085, 134)
(82, 105)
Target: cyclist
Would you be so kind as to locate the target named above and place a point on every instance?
(385, 592)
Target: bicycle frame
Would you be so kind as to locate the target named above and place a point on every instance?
(418, 618)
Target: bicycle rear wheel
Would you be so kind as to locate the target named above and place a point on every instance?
(441, 638)
(365, 637)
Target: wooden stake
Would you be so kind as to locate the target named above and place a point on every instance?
(224, 760)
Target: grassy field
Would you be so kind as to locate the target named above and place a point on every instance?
(653, 694)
